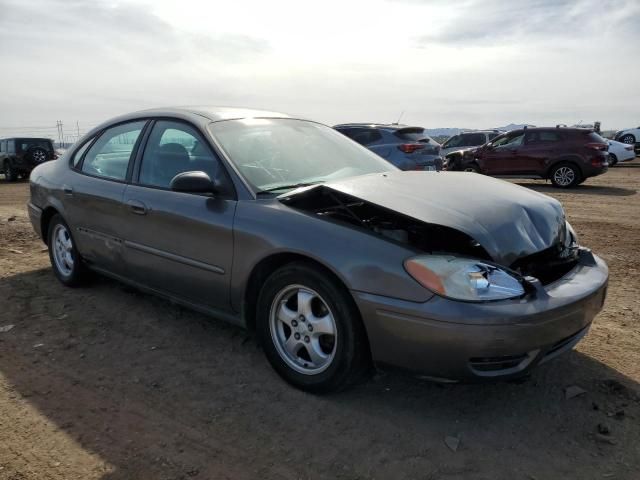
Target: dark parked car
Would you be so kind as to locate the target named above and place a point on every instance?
(408, 148)
(566, 156)
(18, 156)
(334, 256)
(454, 147)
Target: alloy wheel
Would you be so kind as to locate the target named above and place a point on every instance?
(39, 156)
(303, 329)
(62, 246)
(564, 176)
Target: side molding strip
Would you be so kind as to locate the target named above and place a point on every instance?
(175, 258)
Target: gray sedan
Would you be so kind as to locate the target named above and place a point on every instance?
(338, 260)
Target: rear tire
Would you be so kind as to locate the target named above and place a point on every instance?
(10, 174)
(310, 329)
(628, 139)
(565, 175)
(613, 160)
(66, 262)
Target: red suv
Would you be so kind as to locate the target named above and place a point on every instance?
(566, 156)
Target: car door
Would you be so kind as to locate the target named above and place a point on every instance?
(177, 243)
(500, 156)
(93, 190)
(540, 146)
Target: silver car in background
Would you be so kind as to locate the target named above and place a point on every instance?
(336, 258)
(454, 147)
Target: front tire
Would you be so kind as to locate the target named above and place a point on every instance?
(565, 175)
(65, 259)
(613, 160)
(311, 330)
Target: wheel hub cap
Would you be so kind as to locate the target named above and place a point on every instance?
(303, 329)
(564, 176)
(62, 246)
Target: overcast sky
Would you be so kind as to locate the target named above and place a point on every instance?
(467, 64)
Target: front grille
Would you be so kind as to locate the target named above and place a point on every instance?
(548, 265)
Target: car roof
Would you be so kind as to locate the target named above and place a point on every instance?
(199, 114)
(387, 126)
(465, 132)
(215, 113)
(549, 129)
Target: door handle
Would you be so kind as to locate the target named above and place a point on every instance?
(67, 190)
(137, 207)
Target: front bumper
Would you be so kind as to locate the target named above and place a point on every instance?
(462, 341)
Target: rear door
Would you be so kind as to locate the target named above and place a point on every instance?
(93, 194)
(177, 243)
(539, 147)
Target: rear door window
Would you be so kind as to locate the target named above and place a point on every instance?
(542, 137)
(365, 136)
(28, 144)
(412, 134)
(77, 157)
(109, 156)
(474, 139)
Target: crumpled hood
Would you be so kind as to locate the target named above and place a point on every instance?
(507, 220)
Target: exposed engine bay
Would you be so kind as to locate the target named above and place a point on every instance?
(330, 204)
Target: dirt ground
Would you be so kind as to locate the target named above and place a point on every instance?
(104, 382)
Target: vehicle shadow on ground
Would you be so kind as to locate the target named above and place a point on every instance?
(581, 189)
(157, 391)
(628, 165)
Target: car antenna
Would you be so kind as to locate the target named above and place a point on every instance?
(399, 118)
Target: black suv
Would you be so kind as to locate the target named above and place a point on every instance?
(18, 156)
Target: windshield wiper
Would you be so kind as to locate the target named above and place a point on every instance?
(292, 186)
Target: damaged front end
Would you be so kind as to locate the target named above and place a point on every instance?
(434, 239)
(331, 204)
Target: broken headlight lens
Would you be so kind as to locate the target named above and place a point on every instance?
(463, 279)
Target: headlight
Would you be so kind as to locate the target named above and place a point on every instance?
(463, 278)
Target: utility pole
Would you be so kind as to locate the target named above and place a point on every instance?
(77, 130)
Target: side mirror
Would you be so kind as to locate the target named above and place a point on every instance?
(193, 182)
